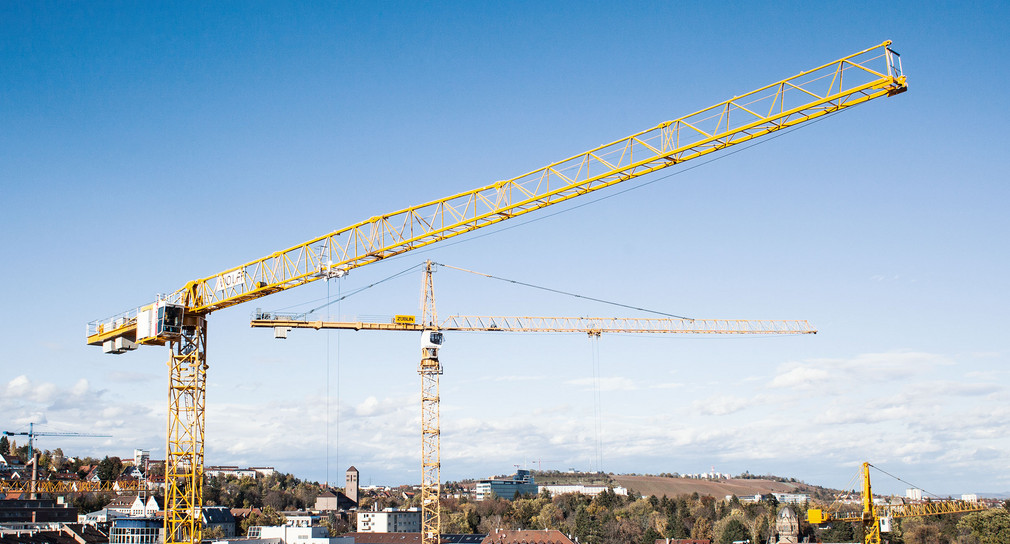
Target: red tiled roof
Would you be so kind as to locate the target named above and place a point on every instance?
(547, 536)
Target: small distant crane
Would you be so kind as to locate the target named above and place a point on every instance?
(430, 369)
(31, 434)
(877, 518)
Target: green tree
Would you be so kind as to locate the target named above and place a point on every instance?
(109, 469)
(5, 445)
(650, 536)
(268, 517)
(839, 532)
(731, 531)
(921, 530)
(587, 527)
(550, 517)
(989, 526)
(702, 529)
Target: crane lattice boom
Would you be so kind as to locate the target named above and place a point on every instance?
(61, 487)
(849, 81)
(590, 325)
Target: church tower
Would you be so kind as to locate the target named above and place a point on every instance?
(351, 486)
(787, 526)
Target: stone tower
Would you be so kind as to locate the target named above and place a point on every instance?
(787, 526)
(351, 486)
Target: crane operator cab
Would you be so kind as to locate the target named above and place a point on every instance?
(159, 323)
(431, 339)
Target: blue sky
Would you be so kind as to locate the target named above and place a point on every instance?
(146, 145)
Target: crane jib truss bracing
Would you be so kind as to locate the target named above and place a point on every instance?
(590, 325)
(852, 80)
(69, 487)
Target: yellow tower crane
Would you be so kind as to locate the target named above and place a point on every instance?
(179, 319)
(877, 518)
(32, 486)
(430, 369)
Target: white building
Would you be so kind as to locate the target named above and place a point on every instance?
(233, 471)
(145, 508)
(913, 494)
(390, 520)
(971, 497)
(590, 490)
(140, 458)
(290, 534)
(791, 498)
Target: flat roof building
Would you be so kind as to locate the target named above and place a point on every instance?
(521, 483)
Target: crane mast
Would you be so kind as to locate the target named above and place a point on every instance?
(431, 437)
(179, 318)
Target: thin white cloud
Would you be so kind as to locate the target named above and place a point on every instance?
(722, 405)
(612, 383)
(829, 376)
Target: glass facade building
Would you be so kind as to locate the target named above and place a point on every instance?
(136, 531)
(521, 483)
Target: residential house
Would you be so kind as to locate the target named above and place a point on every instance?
(145, 508)
(132, 472)
(9, 462)
(219, 517)
(545, 536)
(122, 504)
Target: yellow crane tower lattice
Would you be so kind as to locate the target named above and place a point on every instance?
(431, 370)
(179, 319)
(876, 518)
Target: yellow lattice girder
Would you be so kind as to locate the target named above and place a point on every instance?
(591, 325)
(63, 487)
(837, 85)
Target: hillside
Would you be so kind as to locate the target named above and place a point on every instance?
(660, 485)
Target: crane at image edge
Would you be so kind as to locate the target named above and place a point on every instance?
(179, 319)
(33, 487)
(877, 518)
(430, 368)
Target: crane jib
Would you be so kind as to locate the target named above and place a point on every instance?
(868, 74)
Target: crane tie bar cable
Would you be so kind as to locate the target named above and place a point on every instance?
(903, 481)
(560, 292)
